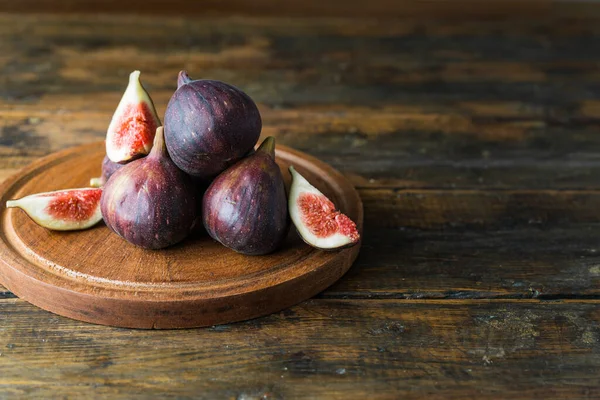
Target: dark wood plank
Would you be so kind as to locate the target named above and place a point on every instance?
(469, 263)
(309, 61)
(459, 10)
(478, 209)
(322, 348)
(355, 8)
(396, 104)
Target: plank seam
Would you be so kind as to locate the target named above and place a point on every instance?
(454, 296)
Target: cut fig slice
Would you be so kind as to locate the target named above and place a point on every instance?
(316, 218)
(133, 125)
(62, 210)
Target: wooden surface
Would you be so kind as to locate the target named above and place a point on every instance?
(447, 9)
(96, 276)
(474, 146)
(306, 8)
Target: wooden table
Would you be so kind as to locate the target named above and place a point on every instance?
(475, 146)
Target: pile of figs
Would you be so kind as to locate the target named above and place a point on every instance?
(160, 182)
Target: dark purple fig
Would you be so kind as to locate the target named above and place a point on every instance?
(200, 187)
(150, 202)
(209, 125)
(245, 207)
(108, 168)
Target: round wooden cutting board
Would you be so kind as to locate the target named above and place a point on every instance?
(95, 276)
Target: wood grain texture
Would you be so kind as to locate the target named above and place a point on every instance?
(473, 144)
(353, 8)
(466, 262)
(96, 276)
(457, 10)
(425, 104)
(356, 349)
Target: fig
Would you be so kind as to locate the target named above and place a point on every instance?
(150, 202)
(133, 125)
(316, 218)
(209, 126)
(245, 207)
(108, 168)
(62, 210)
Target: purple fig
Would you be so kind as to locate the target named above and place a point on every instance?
(245, 207)
(150, 202)
(108, 168)
(209, 125)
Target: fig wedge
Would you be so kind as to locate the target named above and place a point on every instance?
(316, 218)
(133, 125)
(62, 210)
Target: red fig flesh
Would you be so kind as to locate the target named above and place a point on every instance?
(150, 202)
(245, 207)
(108, 168)
(133, 125)
(316, 219)
(209, 125)
(62, 210)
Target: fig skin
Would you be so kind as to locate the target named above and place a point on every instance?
(200, 186)
(150, 202)
(245, 207)
(209, 126)
(108, 168)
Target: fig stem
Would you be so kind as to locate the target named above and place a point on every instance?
(268, 146)
(134, 77)
(183, 78)
(159, 148)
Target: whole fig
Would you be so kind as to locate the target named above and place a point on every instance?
(108, 168)
(150, 202)
(209, 125)
(245, 207)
